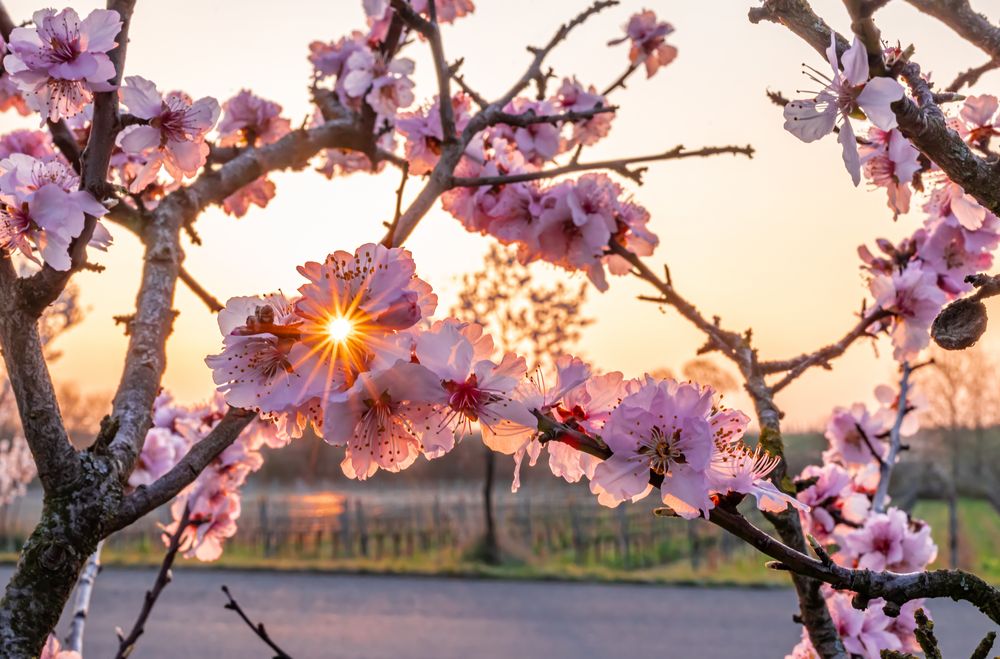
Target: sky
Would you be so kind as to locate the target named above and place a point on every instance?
(768, 243)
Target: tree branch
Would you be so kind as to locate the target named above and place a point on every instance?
(153, 320)
(146, 498)
(923, 122)
(210, 300)
(41, 422)
(965, 21)
(81, 603)
(44, 287)
(895, 441)
(257, 629)
(619, 166)
(822, 357)
(893, 587)
(127, 643)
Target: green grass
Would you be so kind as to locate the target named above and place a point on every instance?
(662, 564)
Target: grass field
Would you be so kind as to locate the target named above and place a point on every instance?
(979, 535)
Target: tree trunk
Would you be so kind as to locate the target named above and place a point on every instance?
(491, 548)
(53, 556)
(953, 507)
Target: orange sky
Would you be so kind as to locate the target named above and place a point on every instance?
(768, 243)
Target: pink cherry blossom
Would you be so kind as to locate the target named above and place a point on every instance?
(954, 252)
(213, 518)
(371, 293)
(951, 199)
(42, 208)
(576, 222)
(538, 143)
(175, 135)
(53, 650)
(978, 121)
(574, 97)
(854, 434)
(586, 407)
(249, 120)
(10, 95)
(891, 541)
(379, 13)
(866, 632)
(478, 389)
(915, 300)
(834, 504)
(846, 94)
(736, 468)
(61, 61)
(648, 37)
(161, 451)
(385, 87)
(264, 364)
(424, 135)
(34, 143)
(543, 393)
(664, 428)
(328, 58)
(258, 193)
(891, 162)
(387, 419)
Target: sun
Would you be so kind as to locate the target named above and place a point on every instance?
(339, 328)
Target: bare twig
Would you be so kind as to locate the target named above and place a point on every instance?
(798, 365)
(895, 441)
(619, 82)
(257, 629)
(619, 166)
(210, 300)
(81, 604)
(971, 76)
(127, 642)
(399, 206)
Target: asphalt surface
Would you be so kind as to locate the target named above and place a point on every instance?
(313, 615)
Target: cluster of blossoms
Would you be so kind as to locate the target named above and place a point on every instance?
(915, 278)
(58, 64)
(358, 355)
(213, 499)
(42, 208)
(17, 468)
(841, 515)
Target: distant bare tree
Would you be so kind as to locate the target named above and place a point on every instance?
(963, 398)
(705, 371)
(536, 320)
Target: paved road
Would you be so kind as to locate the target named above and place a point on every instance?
(400, 617)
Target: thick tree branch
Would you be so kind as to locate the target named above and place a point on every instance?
(965, 21)
(29, 378)
(893, 587)
(922, 121)
(146, 498)
(619, 166)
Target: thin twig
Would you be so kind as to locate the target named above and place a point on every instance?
(619, 82)
(210, 300)
(895, 441)
(399, 206)
(163, 577)
(81, 603)
(619, 166)
(258, 628)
